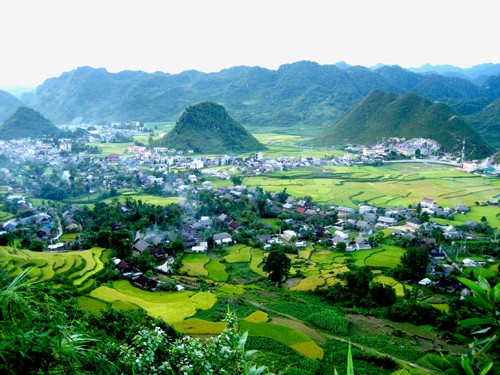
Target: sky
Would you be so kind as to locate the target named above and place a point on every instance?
(41, 39)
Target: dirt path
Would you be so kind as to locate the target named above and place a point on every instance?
(308, 331)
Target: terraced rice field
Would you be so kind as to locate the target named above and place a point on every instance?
(80, 266)
(398, 287)
(173, 307)
(195, 326)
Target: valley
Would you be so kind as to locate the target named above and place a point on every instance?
(296, 326)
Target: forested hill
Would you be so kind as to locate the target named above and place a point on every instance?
(385, 115)
(8, 105)
(487, 122)
(302, 93)
(210, 121)
(26, 122)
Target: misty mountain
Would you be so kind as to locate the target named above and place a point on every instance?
(478, 73)
(8, 105)
(303, 93)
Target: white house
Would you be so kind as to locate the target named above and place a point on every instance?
(288, 235)
(469, 263)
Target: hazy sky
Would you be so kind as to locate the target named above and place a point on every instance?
(43, 38)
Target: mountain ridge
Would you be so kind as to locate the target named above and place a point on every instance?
(303, 93)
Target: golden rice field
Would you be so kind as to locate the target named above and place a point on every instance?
(172, 307)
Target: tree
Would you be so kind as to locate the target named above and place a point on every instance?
(236, 180)
(341, 246)
(413, 264)
(278, 265)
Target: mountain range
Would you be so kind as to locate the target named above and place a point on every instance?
(302, 95)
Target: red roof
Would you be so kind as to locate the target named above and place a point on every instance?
(301, 210)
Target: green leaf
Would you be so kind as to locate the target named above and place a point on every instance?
(476, 289)
(350, 365)
(486, 368)
(483, 283)
(476, 321)
(466, 365)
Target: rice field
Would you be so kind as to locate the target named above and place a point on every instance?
(238, 254)
(111, 148)
(172, 307)
(385, 186)
(194, 264)
(151, 199)
(195, 326)
(293, 338)
(80, 266)
(216, 270)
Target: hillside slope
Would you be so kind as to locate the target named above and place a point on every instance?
(385, 115)
(207, 128)
(487, 122)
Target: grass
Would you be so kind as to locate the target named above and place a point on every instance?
(272, 222)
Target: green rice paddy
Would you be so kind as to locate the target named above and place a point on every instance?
(385, 186)
(293, 338)
(238, 254)
(79, 266)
